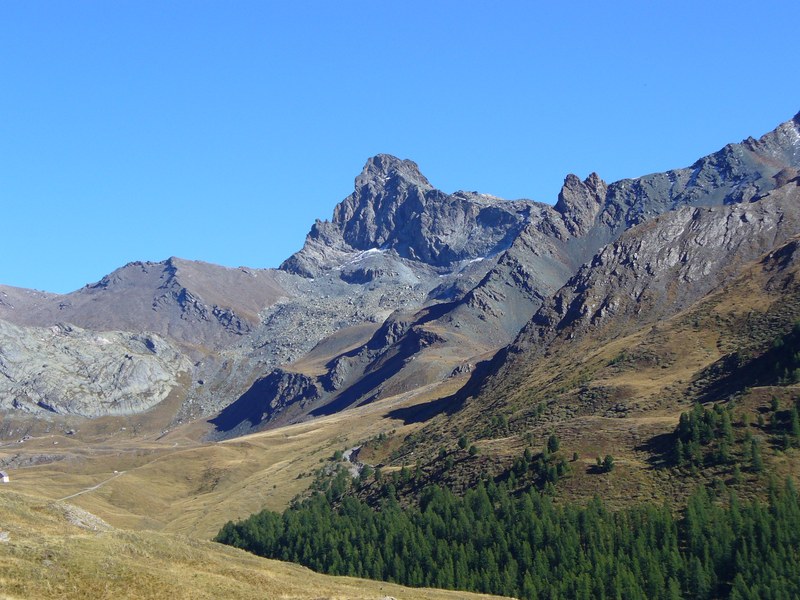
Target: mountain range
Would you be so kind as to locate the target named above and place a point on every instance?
(405, 287)
(632, 342)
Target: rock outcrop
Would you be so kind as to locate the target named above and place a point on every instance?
(580, 201)
(395, 210)
(67, 370)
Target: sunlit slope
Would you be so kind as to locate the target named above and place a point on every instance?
(181, 485)
(55, 550)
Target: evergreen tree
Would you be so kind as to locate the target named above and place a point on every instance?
(680, 453)
(608, 463)
(794, 425)
(756, 462)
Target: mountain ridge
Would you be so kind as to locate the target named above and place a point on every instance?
(455, 276)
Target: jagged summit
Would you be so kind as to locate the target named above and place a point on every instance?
(580, 201)
(394, 207)
(385, 170)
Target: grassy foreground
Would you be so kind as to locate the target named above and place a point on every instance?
(56, 550)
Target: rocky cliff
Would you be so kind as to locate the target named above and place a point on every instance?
(652, 272)
(395, 210)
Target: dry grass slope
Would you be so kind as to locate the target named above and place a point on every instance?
(620, 391)
(175, 483)
(54, 550)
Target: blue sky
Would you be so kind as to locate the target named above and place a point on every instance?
(218, 131)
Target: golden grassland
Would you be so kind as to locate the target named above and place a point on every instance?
(178, 484)
(53, 550)
(128, 515)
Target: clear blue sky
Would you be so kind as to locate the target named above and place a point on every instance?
(218, 131)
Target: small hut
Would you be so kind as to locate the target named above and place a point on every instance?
(3, 477)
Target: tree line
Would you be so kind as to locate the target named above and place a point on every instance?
(493, 540)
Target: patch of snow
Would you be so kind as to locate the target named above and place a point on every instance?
(364, 254)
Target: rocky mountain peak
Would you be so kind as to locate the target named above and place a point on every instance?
(385, 170)
(388, 192)
(580, 201)
(394, 208)
(781, 144)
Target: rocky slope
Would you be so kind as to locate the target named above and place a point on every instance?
(408, 284)
(193, 303)
(65, 369)
(658, 268)
(650, 274)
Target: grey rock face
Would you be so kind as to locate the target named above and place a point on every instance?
(68, 370)
(580, 201)
(280, 392)
(395, 208)
(660, 267)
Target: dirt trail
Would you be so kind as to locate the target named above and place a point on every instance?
(94, 487)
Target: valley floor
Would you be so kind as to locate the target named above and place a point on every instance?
(121, 511)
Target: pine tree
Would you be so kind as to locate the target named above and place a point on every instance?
(699, 582)
(726, 427)
(608, 463)
(756, 462)
(680, 453)
(673, 590)
(737, 473)
(794, 425)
